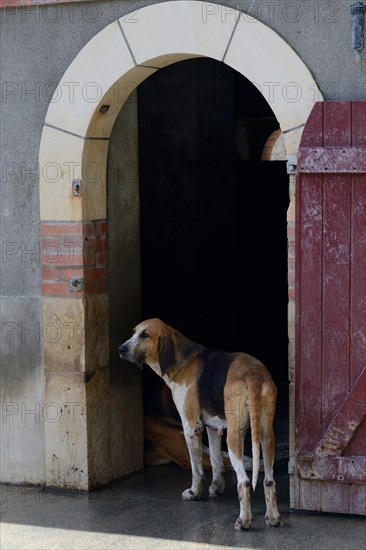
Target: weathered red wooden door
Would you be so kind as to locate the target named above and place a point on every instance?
(330, 408)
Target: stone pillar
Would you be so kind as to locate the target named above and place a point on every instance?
(76, 355)
(93, 411)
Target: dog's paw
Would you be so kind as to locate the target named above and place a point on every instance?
(275, 521)
(217, 488)
(189, 494)
(243, 525)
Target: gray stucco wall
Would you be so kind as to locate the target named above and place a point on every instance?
(37, 44)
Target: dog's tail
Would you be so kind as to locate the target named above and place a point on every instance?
(254, 400)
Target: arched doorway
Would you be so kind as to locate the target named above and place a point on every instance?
(73, 155)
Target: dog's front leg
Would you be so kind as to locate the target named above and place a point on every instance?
(193, 436)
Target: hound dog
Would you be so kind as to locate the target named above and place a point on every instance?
(217, 390)
(163, 430)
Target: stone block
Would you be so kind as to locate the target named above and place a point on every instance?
(63, 334)
(66, 432)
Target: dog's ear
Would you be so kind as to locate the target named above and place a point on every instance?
(166, 354)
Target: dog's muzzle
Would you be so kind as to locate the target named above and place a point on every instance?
(124, 353)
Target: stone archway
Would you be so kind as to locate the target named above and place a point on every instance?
(73, 155)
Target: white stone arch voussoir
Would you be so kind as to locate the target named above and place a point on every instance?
(74, 142)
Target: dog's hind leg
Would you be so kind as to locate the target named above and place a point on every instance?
(273, 516)
(217, 487)
(237, 422)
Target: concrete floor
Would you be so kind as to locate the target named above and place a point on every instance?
(145, 512)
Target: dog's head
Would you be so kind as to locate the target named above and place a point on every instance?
(152, 342)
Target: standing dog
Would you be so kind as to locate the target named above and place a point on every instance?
(216, 390)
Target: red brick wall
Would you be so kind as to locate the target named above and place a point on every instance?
(74, 249)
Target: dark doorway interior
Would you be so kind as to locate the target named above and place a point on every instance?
(213, 215)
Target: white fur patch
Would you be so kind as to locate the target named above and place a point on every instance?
(179, 392)
(215, 422)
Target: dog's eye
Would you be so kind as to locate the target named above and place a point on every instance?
(144, 334)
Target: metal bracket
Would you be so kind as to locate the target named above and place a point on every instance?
(358, 12)
(76, 188)
(291, 466)
(292, 164)
(76, 284)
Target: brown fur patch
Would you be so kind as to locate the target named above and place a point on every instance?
(191, 405)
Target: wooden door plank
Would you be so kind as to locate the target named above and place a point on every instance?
(335, 306)
(338, 160)
(357, 499)
(313, 132)
(337, 124)
(309, 298)
(335, 497)
(345, 469)
(358, 124)
(310, 495)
